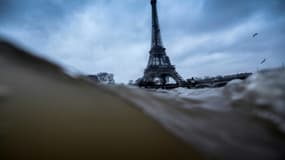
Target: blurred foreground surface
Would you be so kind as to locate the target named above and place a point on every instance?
(45, 114)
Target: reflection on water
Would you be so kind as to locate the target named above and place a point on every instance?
(245, 119)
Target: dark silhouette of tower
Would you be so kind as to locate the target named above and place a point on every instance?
(159, 68)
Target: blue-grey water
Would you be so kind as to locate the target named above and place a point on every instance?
(46, 113)
(244, 120)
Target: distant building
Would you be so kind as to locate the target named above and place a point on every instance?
(212, 82)
(103, 78)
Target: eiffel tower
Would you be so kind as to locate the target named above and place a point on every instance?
(159, 68)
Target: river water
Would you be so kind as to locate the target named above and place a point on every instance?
(244, 120)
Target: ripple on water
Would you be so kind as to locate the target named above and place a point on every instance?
(237, 121)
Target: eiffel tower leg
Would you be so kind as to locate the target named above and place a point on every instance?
(177, 78)
(163, 80)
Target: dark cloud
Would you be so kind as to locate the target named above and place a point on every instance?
(217, 15)
(38, 13)
(5, 7)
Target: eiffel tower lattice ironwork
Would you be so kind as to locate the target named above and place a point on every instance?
(159, 68)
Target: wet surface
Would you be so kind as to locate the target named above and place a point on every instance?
(241, 121)
(46, 114)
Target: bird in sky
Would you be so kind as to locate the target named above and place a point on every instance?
(263, 61)
(255, 34)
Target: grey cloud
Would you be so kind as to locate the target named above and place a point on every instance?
(201, 37)
(217, 15)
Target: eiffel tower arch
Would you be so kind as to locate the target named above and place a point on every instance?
(159, 68)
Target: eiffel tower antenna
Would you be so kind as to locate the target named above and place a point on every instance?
(156, 35)
(159, 68)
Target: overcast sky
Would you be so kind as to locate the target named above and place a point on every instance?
(202, 37)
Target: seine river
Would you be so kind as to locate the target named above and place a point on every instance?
(245, 119)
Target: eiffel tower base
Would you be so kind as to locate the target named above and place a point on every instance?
(158, 77)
